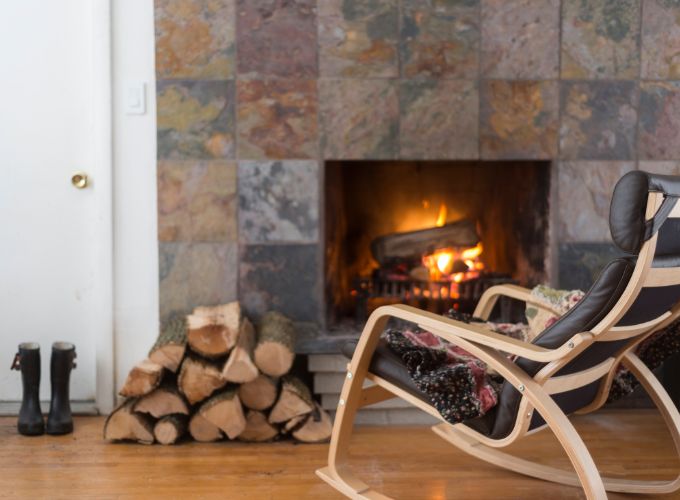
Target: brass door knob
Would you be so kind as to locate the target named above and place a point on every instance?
(80, 180)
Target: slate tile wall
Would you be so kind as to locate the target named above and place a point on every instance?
(254, 95)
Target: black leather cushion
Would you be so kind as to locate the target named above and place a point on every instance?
(627, 211)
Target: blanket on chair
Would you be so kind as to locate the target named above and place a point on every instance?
(462, 387)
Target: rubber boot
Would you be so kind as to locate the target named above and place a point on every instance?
(27, 360)
(59, 420)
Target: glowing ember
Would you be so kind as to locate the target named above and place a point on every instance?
(441, 263)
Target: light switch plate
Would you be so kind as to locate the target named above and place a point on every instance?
(135, 98)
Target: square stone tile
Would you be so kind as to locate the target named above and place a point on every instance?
(440, 38)
(581, 263)
(276, 38)
(196, 274)
(195, 120)
(600, 39)
(661, 39)
(359, 118)
(282, 278)
(598, 120)
(278, 201)
(197, 201)
(659, 133)
(195, 39)
(520, 39)
(277, 119)
(585, 191)
(519, 119)
(358, 38)
(660, 167)
(439, 119)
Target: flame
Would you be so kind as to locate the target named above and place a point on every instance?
(441, 217)
(472, 253)
(441, 262)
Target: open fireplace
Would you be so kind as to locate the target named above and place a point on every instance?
(431, 234)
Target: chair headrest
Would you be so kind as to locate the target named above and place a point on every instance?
(627, 212)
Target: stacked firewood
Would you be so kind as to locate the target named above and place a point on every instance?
(213, 375)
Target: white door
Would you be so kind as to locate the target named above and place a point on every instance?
(51, 271)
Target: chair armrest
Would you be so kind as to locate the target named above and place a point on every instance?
(491, 296)
(451, 330)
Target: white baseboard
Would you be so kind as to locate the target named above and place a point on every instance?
(10, 408)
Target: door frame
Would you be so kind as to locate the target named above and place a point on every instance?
(102, 168)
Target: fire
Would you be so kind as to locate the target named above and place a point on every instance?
(441, 263)
(441, 217)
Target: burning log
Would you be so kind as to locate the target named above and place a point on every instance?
(213, 330)
(125, 425)
(295, 399)
(225, 411)
(412, 245)
(239, 367)
(259, 394)
(142, 379)
(199, 378)
(204, 431)
(169, 348)
(275, 350)
(258, 428)
(170, 429)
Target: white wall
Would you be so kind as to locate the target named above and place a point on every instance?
(134, 192)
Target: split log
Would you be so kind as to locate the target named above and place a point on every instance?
(225, 411)
(199, 378)
(414, 244)
(258, 428)
(294, 423)
(169, 348)
(125, 425)
(258, 394)
(170, 429)
(204, 431)
(275, 350)
(316, 429)
(142, 379)
(165, 400)
(239, 367)
(295, 399)
(212, 331)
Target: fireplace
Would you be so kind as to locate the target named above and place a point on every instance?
(431, 234)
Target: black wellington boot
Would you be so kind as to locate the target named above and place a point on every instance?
(60, 421)
(27, 360)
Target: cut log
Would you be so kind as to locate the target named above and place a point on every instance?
(163, 401)
(295, 399)
(295, 423)
(240, 367)
(125, 425)
(258, 394)
(169, 348)
(414, 244)
(199, 378)
(275, 350)
(316, 429)
(170, 429)
(258, 428)
(142, 379)
(203, 431)
(212, 331)
(225, 411)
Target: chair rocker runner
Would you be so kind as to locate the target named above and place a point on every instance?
(568, 368)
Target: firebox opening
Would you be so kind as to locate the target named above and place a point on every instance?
(429, 233)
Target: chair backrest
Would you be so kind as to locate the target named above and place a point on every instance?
(631, 296)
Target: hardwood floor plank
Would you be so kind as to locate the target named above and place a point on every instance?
(403, 462)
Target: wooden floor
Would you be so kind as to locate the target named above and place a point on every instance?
(404, 462)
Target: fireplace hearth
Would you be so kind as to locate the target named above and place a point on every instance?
(434, 235)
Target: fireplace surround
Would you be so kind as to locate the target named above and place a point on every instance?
(255, 96)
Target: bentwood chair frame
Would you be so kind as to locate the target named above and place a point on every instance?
(535, 391)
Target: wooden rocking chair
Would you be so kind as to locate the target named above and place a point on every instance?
(567, 369)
